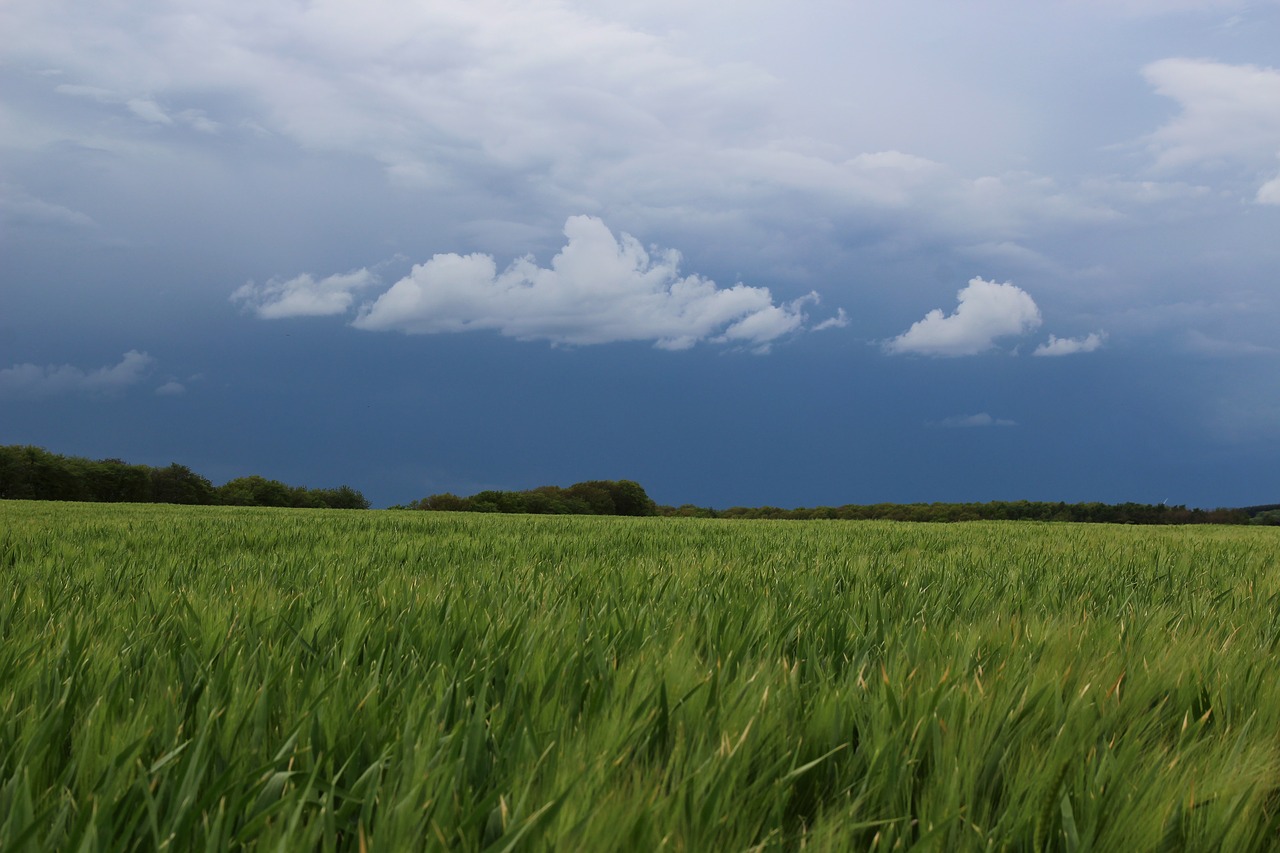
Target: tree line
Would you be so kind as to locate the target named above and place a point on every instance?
(1268, 514)
(593, 497)
(32, 473)
(625, 497)
(1097, 513)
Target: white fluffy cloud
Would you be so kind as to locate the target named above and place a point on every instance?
(33, 380)
(987, 310)
(598, 289)
(1070, 346)
(303, 295)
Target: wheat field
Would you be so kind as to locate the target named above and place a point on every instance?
(186, 678)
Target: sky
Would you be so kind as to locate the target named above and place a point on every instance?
(750, 253)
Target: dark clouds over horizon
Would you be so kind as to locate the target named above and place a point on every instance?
(807, 254)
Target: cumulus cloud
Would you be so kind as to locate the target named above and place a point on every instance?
(1070, 346)
(303, 295)
(33, 380)
(598, 289)
(987, 310)
(982, 419)
(172, 388)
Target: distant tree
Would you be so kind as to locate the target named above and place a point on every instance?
(343, 497)
(259, 491)
(32, 473)
(595, 494)
(110, 480)
(446, 502)
(178, 484)
(16, 470)
(592, 497)
(687, 511)
(300, 497)
(36, 474)
(255, 491)
(630, 498)
(491, 500)
(1227, 516)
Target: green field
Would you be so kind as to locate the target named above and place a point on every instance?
(210, 678)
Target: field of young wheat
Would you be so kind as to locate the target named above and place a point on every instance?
(210, 678)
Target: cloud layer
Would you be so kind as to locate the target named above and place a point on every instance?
(1230, 118)
(550, 101)
(987, 310)
(33, 380)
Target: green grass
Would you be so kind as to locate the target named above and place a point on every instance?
(204, 679)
